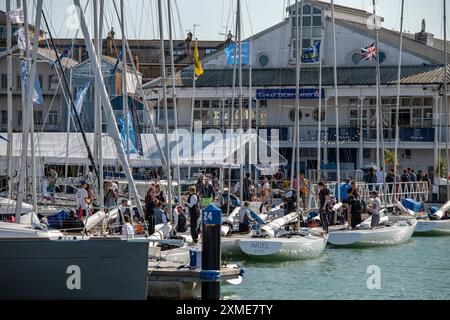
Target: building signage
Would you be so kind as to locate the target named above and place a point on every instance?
(287, 94)
(417, 134)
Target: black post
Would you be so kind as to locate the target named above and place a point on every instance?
(212, 221)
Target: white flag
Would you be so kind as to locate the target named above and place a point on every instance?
(21, 40)
(16, 15)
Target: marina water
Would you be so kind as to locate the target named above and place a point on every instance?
(419, 269)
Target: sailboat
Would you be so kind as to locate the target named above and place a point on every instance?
(69, 267)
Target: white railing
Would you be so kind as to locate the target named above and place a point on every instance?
(418, 191)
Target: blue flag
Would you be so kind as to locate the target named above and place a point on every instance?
(311, 54)
(80, 96)
(37, 92)
(131, 134)
(118, 61)
(229, 52)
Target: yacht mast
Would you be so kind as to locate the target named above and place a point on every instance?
(28, 106)
(110, 118)
(174, 100)
(241, 157)
(446, 100)
(124, 82)
(166, 115)
(336, 104)
(9, 100)
(377, 109)
(397, 109)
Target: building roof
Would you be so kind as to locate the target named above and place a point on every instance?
(44, 54)
(112, 61)
(327, 6)
(309, 76)
(392, 37)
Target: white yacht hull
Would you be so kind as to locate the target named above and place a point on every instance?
(400, 233)
(294, 248)
(433, 227)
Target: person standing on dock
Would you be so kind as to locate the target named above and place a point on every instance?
(52, 177)
(324, 197)
(127, 229)
(81, 198)
(150, 201)
(194, 212)
(111, 195)
(246, 187)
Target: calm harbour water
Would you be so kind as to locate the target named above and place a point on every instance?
(419, 269)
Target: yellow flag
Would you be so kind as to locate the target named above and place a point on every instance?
(197, 64)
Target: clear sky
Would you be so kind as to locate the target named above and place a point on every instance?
(214, 17)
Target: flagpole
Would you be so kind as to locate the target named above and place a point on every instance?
(100, 113)
(28, 105)
(174, 100)
(166, 115)
(319, 116)
(192, 110)
(9, 100)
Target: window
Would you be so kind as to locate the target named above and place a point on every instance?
(416, 117)
(312, 27)
(366, 153)
(406, 154)
(19, 83)
(37, 115)
(4, 117)
(53, 82)
(52, 117)
(19, 118)
(4, 81)
(428, 117)
(40, 81)
(292, 115)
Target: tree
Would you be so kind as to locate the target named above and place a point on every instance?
(440, 168)
(389, 158)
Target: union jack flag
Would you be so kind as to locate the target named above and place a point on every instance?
(369, 52)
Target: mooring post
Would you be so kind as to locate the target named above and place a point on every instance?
(210, 274)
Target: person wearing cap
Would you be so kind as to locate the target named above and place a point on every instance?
(111, 195)
(81, 198)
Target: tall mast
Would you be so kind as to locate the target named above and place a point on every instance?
(31, 110)
(124, 81)
(110, 118)
(397, 109)
(445, 99)
(100, 113)
(377, 109)
(241, 158)
(28, 106)
(336, 104)
(166, 115)
(98, 146)
(174, 99)
(9, 99)
(298, 60)
(319, 116)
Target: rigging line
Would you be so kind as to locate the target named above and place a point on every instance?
(249, 17)
(151, 14)
(78, 120)
(180, 22)
(221, 19)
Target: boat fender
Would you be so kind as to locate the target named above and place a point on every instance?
(241, 273)
(210, 275)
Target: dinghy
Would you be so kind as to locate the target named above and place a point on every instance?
(285, 246)
(397, 233)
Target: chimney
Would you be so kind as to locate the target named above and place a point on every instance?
(423, 36)
(136, 62)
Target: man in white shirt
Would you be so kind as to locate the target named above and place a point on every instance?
(127, 229)
(80, 197)
(375, 208)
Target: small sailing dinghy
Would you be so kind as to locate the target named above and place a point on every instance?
(437, 223)
(383, 235)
